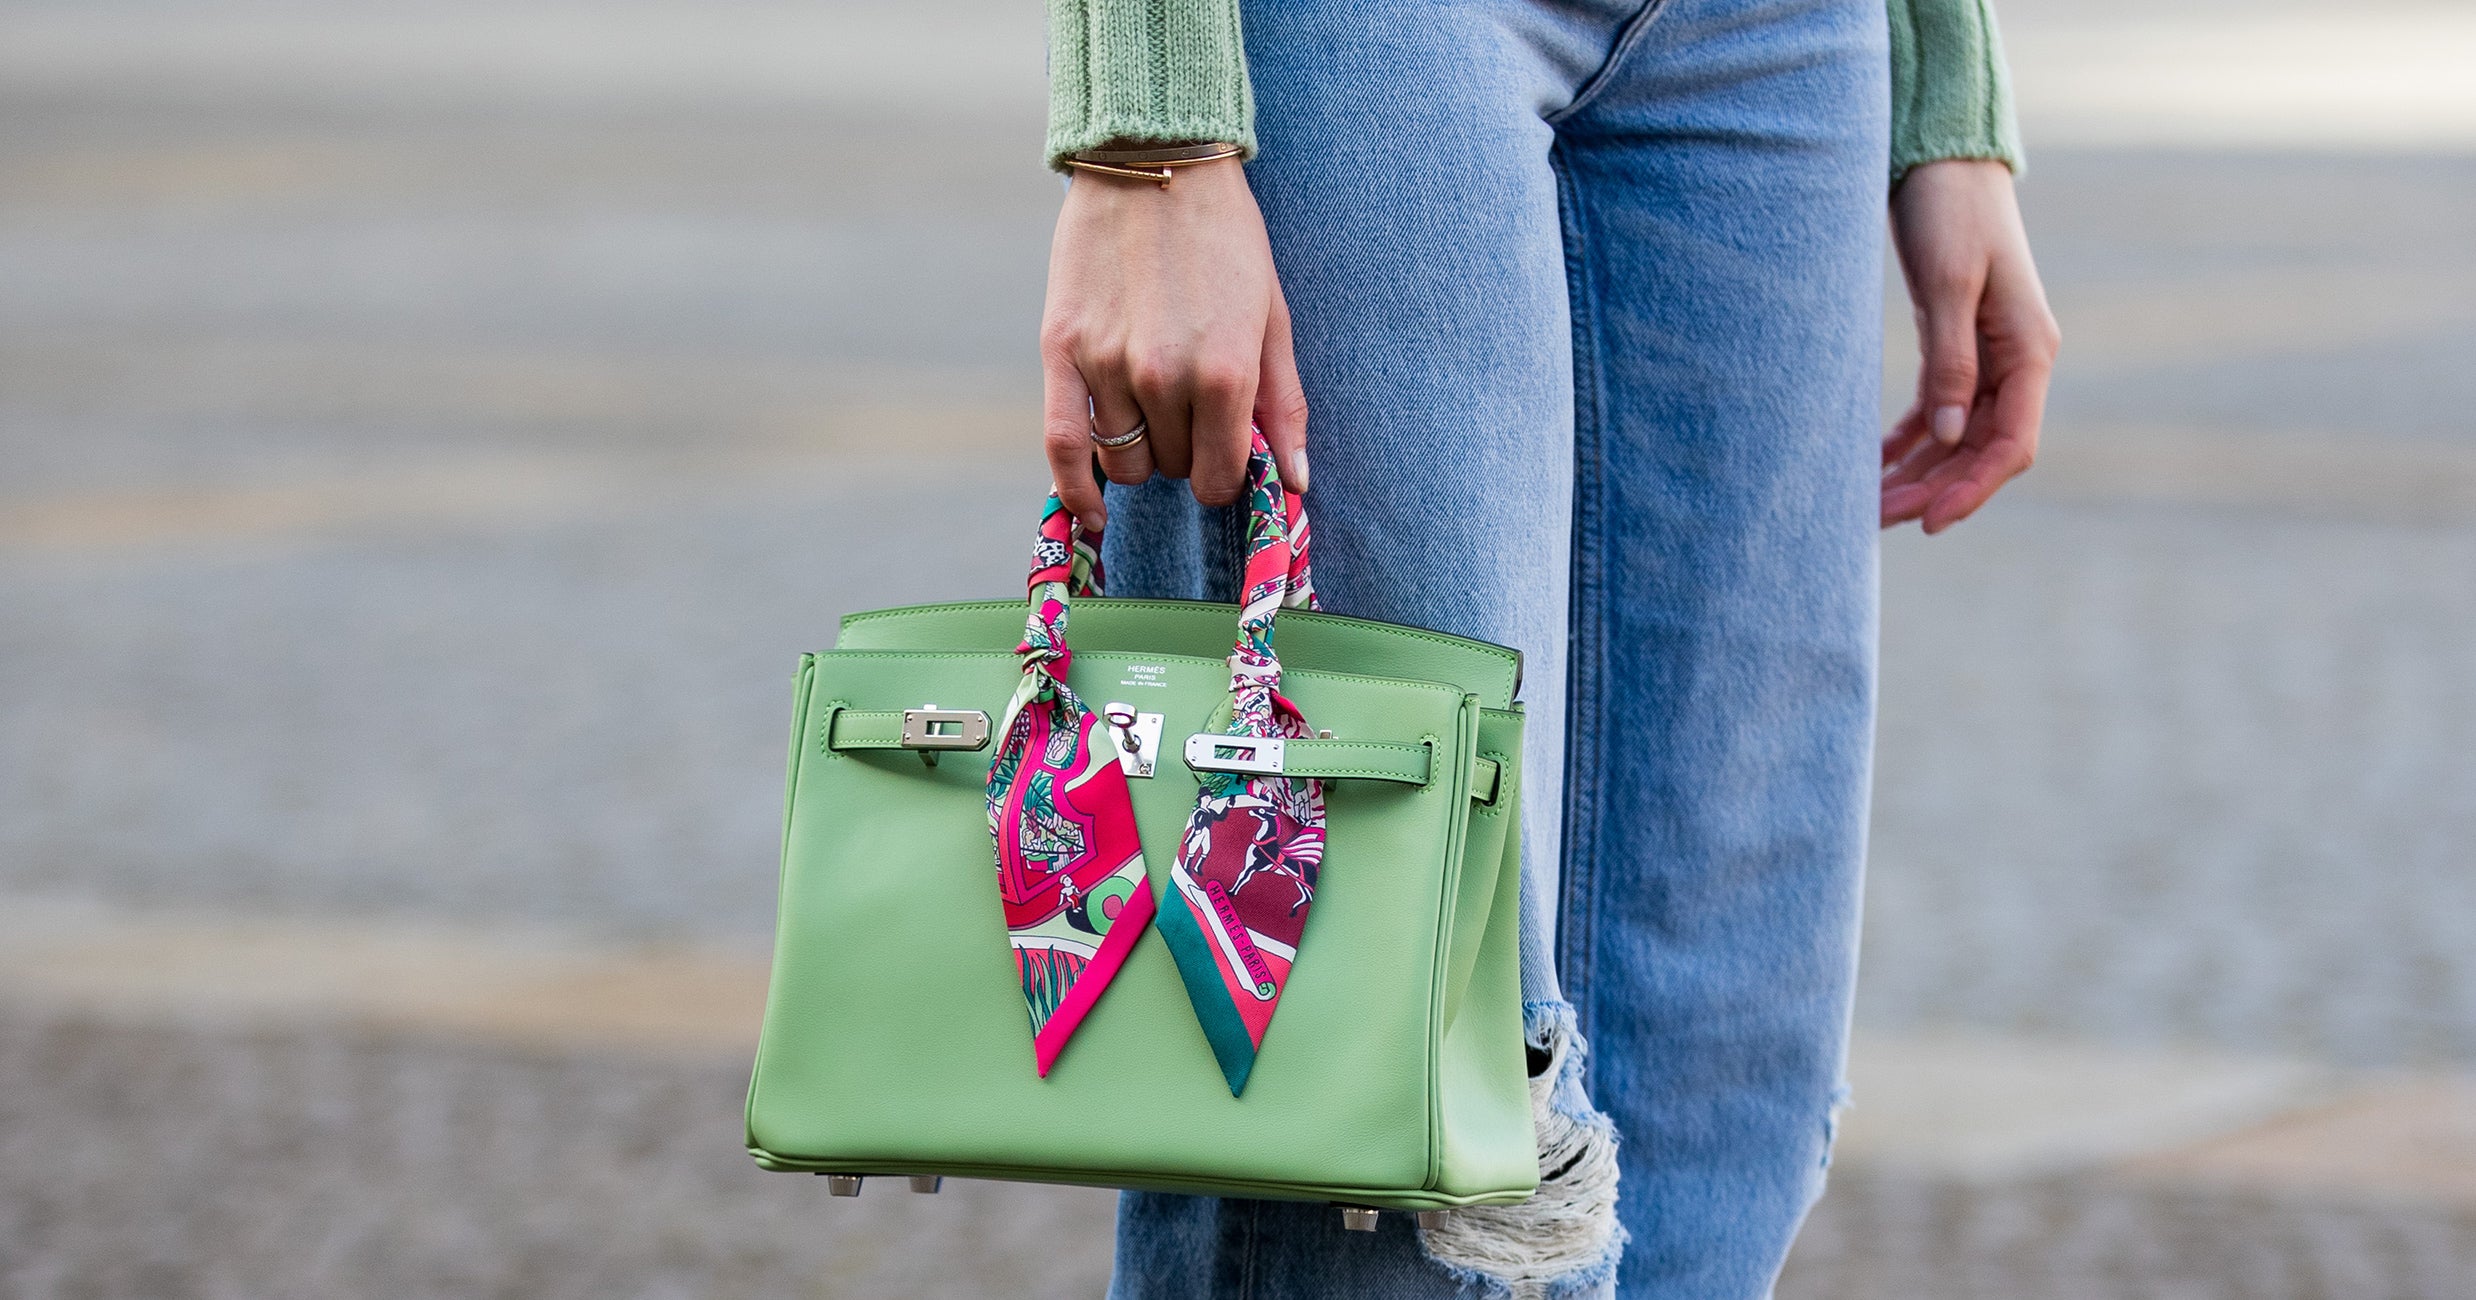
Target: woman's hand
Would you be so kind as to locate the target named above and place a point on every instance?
(1163, 306)
(1987, 338)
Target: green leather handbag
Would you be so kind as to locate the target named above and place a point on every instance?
(896, 1040)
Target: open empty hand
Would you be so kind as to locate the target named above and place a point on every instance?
(1987, 337)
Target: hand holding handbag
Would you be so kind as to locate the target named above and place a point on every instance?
(1359, 876)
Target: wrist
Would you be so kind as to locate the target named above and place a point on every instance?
(1154, 162)
(1208, 194)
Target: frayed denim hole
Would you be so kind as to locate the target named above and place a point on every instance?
(1563, 1243)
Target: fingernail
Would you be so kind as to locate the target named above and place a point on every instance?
(1298, 469)
(1949, 423)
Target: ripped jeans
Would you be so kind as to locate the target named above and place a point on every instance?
(1587, 303)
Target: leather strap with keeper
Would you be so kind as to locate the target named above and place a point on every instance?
(931, 730)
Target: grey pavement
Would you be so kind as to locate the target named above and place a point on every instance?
(352, 1165)
(340, 1164)
(428, 435)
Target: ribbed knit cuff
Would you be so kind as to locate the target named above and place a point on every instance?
(1951, 93)
(1153, 70)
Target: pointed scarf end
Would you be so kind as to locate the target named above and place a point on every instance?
(1046, 1046)
(1235, 1052)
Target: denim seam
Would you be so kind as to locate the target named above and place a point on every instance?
(1246, 1273)
(1626, 38)
(1577, 883)
(1231, 561)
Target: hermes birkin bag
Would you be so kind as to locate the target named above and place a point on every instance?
(1221, 899)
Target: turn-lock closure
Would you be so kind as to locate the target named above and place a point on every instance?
(1244, 755)
(935, 728)
(1322, 758)
(927, 731)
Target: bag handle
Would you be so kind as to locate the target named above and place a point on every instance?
(1066, 564)
(1277, 576)
(1070, 860)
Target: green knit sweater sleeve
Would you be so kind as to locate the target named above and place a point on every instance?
(1951, 94)
(1158, 70)
(1176, 70)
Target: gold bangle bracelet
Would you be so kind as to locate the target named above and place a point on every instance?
(1154, 169)
(1199, 151)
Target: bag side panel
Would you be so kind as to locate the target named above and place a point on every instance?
(1475, 882)
(1483, 1073)
(790, 798)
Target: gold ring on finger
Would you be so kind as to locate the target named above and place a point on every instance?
(1124, 440)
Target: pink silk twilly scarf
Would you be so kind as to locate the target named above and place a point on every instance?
(1069, 859)
(1248, 862)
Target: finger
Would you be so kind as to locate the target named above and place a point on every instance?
(1924, 456)
(1281, 401)
(1130, 464)
(1161, 388)
(1066, 439)
(1960, 496)
(1947, 337)
(1904, 503)
(1925, 476)
(1923, 472)
(1903, 438)
(1115, 411)
(2013, 422)
(1224, 402)
(1959, 466)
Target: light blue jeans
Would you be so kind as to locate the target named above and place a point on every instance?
(1587, 300)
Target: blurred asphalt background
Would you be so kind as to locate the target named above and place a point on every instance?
(429, 432)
